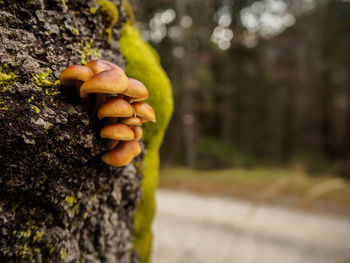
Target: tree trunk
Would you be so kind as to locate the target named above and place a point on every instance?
(188, 117)
(58, 201)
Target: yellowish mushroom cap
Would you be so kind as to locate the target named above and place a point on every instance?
(145, 120)
(74, 73)
(136, 91)
(115, 107)
(131, 121)
(111, 82)
(138, 132)
(122, 154)
(145, 111)
(100, 65)
(117, 131)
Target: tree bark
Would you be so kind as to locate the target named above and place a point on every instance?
(58, 201)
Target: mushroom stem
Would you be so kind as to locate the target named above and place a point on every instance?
(99, 99)
(111, 144)
(112, 120)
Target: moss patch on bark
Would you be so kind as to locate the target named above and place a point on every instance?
(142, 63)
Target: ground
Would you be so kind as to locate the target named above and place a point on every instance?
(195, 228)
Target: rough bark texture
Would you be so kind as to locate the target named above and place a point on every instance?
(58, 201)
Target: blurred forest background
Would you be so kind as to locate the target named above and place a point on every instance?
(256, 82)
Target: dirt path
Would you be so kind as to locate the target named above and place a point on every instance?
(203, 229)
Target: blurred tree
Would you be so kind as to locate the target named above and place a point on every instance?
(271, 78)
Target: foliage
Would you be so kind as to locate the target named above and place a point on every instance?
(213, 154)
(277, 93)
(256, 184)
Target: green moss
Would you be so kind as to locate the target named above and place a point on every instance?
(50, 247)
(4, 77)
(44, 79)
(129, 11)
(31, 99)
(109, 8)
(23, 251)
(63, 254)
(88, 52)
(92, 10)
(7, 77)
(70, 200)
(26, 234)
(3, 106)
(143, 65)
(35, 109)
(76, 31)
(38, 236)
(144, 246)
(47, 82)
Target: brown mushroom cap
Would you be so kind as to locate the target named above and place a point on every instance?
(117, 131)
(74, 73)
(145, 111)
(138, 132)
(110, 81)
(100, 65)
(136, 90)
(112, 65)
(144, 120)
(122, 154)
(115, 107)
(131, 121)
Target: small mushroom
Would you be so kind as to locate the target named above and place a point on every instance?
(132, 121)
(76, 75)
(100, 65)
(123, 108)
(136, 91)
(138, 132)
(115, 107)
(122, 154)
(111, 82)
(117, 131)
(145, 111)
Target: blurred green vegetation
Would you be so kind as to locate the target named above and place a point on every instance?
(262, 184)
(256, 82)
(213, 153)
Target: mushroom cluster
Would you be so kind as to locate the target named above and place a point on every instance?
(118, 101)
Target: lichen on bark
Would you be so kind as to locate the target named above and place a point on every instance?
(58, 201)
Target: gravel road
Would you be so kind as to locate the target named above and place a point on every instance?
(190, 228)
